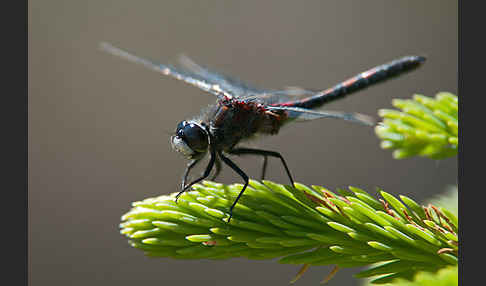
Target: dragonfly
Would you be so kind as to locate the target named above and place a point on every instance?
(242, 112)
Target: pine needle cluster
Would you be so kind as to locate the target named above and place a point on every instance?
(425, 126)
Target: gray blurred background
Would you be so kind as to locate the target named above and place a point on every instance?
(98, 125)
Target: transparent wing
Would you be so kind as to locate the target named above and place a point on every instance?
(302, 114)
(242, 89)
(270, 97)
(188, 77)
(232, 85)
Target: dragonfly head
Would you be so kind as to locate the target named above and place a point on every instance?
(190, 139)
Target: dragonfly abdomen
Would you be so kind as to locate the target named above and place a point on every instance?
(361, 81)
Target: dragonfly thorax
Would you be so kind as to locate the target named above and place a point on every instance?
(190, 139)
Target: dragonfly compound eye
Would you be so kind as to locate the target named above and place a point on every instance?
(195, 137)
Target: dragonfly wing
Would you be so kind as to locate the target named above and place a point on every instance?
(242, 89)
(188, 77)
(302, 114)
(232, 85)
(275, 97)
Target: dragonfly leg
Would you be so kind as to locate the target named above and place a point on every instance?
(265, 153)
(204, 176)
(217, 164)
(190, 165)
(242, 174)
(264, 167)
